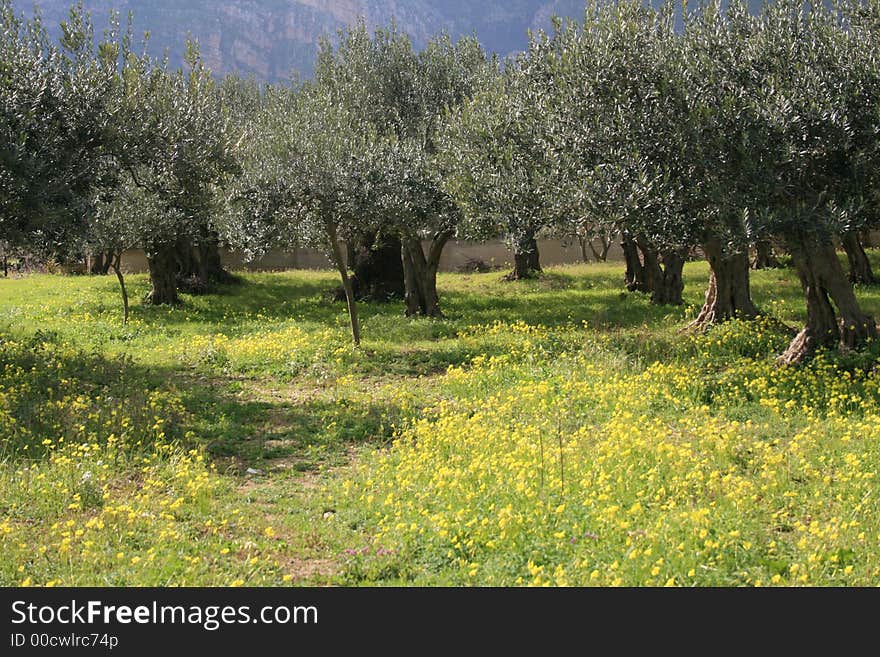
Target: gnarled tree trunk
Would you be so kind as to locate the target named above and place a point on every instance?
(164, 266)
(860, 271)
(376, 261)
(210, 264)
(764, 256)
(100, 262)
(635, 271)
(670, 287)
(412, 298)
(526, 258)
(729, 293)
(823, 281)
(663, 274)
(584, 242)
(601, 255)
(199, 265)
(420, 274)
(187, 263)
(96, 263)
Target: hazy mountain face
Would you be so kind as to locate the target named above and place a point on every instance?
(272, 38)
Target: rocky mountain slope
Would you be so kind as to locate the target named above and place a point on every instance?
(272, 39)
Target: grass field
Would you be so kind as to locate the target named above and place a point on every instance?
(555, 431)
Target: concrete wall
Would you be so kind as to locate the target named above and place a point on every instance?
(135, 261)
(456, 256)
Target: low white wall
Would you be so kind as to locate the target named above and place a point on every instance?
(456, 255)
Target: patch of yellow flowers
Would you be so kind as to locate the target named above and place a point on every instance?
(579, 472)
(289, 350)
(98, 490)
(93, 514)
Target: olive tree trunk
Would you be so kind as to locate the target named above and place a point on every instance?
(187, 262)
(729, 293)
(100, 262)
(96, 263)
(375, 259)
(662, 274)
(342, 268)
(823, 281)
(164, 266)
(526, 258)
(860, 271)
(420, 274)
(635, 271)
(210, 263)
(764, 256)
(199, 264)
(584, 242)
(601, 254)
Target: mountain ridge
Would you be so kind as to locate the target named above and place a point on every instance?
(274, 40)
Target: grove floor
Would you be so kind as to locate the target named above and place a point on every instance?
(554, 431)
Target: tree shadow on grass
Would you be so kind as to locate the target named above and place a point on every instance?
(303, 431)
(280, 298)
(602, 309)
(63, 395)
(557, 298)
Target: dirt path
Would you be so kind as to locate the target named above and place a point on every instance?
(290, 478)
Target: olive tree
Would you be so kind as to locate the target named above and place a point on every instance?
(816, 142)
(402, 96)
(864, 19)
(614, 119)
(860, 270)
(179, 145)
(312, 175)
(56, 123)
(120, 218)
(497, 162)
(719, 80)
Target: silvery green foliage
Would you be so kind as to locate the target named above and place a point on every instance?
(495, 155)
(781, 119)
(129, 216)
(615, 120)
(57, 116)
(309, 172)
(719, 82)
(84, 120)
(178, 147)
(403, 95)
(583, 129)
(740, 127)
(656, 133)
(817, 116)
(352, 150)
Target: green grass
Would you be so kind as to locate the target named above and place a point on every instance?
(240, 438)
